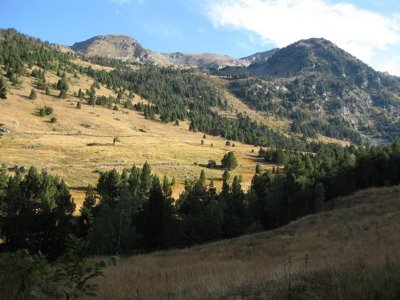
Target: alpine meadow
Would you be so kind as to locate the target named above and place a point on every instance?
(131, 173)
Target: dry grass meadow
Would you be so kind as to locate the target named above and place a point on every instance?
(350, 252)
(62, 148)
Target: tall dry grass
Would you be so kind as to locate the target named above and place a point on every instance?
(351, 252)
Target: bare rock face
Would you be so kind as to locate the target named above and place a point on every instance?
(259, 57)
(114, 46)
(126, 48)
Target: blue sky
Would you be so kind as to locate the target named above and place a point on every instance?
(368, 29)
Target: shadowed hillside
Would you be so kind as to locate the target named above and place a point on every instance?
(350, 252)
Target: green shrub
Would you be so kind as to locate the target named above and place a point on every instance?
(32, 95)
(27, 276)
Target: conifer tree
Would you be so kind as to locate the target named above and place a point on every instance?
(81, 95)
(63, 94)
(108, 187)
(3, 88)
(158, 226)
(87, 212)
(3, 182)
(166, 187)
(145, 179)
(202, 177)
(32, 95)
(229, 161)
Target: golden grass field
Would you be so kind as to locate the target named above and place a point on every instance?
(62, 148)
(350, 252)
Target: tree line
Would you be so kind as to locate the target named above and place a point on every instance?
(134, 210)
(175, 95)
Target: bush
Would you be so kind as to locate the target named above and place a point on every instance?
(49, 110)
(45, 111)
(21, 274)
(63, 94)
(211, 164)
(27, 276)
(53, 120)
(32, 95)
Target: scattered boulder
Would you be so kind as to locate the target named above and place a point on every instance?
(16, 122)
(4, 130)
(33, 146)
(88, 125)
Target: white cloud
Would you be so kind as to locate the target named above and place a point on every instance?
(391, 64)
(280, 22)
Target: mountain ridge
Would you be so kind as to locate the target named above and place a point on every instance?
(127, 48)
(313, 81)
(312, 85)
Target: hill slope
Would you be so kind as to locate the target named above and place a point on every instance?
(323, 89)
(121, 47)
(126, 48)
(316, 86)
(80, 143)
(350, 252)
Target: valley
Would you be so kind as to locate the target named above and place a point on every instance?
(196, 176)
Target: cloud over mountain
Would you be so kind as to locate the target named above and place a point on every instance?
(363, 33)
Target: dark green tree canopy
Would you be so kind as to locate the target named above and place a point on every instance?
(229, 161)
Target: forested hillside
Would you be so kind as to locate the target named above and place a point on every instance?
(322, 89)
(135, 209)
(96, 122)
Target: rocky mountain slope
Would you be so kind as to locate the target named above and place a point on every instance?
(121, 47)
(259, 57)
(321, 88)
(128, 49)
(316, 87)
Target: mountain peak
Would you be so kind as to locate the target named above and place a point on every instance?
(126, 48)
(117, 46)
(311, 55)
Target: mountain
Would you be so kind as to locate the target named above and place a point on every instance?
(259, 57)
(321, 88)
(126, 48)
(121, 47)
(312, 86)
(313, 55)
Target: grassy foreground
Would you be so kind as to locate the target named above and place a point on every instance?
(351, 252)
